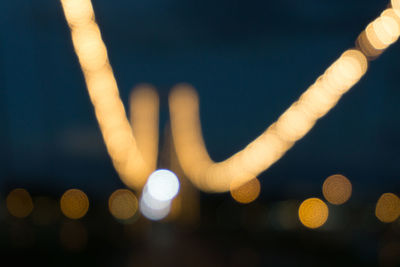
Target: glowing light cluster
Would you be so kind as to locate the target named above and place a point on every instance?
(134, 159)
(381, 33)
(388, 208)
(313, 213)
(158, 193)
(121, 144)
(265, 150)
(337, 189)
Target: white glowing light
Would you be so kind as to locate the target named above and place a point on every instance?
(162, 185)
(152, 202)
(152, 213)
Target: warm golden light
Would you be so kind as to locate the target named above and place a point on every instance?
(379, 34)
(144, 113)
(337, 189)
(123, 204)
(313, 213)
(134, 158)
(269, 147)
(246, 193)
(74, 204)
(132, 163)
(388, 208)
(19, 203)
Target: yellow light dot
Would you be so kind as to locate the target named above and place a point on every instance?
(74, 204)
(123, 204)
(388, 208)
(19, 203)
(337, 189)
(313, 213)
(247, 192)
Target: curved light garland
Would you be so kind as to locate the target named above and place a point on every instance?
(128, 153)
(291, 126)
(133, 158)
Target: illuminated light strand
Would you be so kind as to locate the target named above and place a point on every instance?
(270, 146)
(381, 33)
(126, 153)
(291, 126)
(260, 154)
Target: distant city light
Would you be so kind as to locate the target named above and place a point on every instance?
(246, 193)
(313, 213)
(123, 204)
(337, 189)
(19, 203)
(387, 208)
(74, 204)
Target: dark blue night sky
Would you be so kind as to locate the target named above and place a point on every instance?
(249, 60)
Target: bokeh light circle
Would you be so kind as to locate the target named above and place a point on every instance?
(388, 208)
(337, 189)
(19, 203)
(245, 193)
(313, 213)
(74, 204)
(123, 204)
(162, 185)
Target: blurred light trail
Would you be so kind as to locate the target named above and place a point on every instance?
(161, 188)
(380, 34)
(132, 164)
(291, 126)
(245, 193)
(313, 213)
(123, 204)
(337, 189)
(270, 146)
(388, 208)
(19, 203)
(144, 118)
(74, 204)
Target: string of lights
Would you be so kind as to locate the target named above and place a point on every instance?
(134, 159)
(290, 127)
(127, 152)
